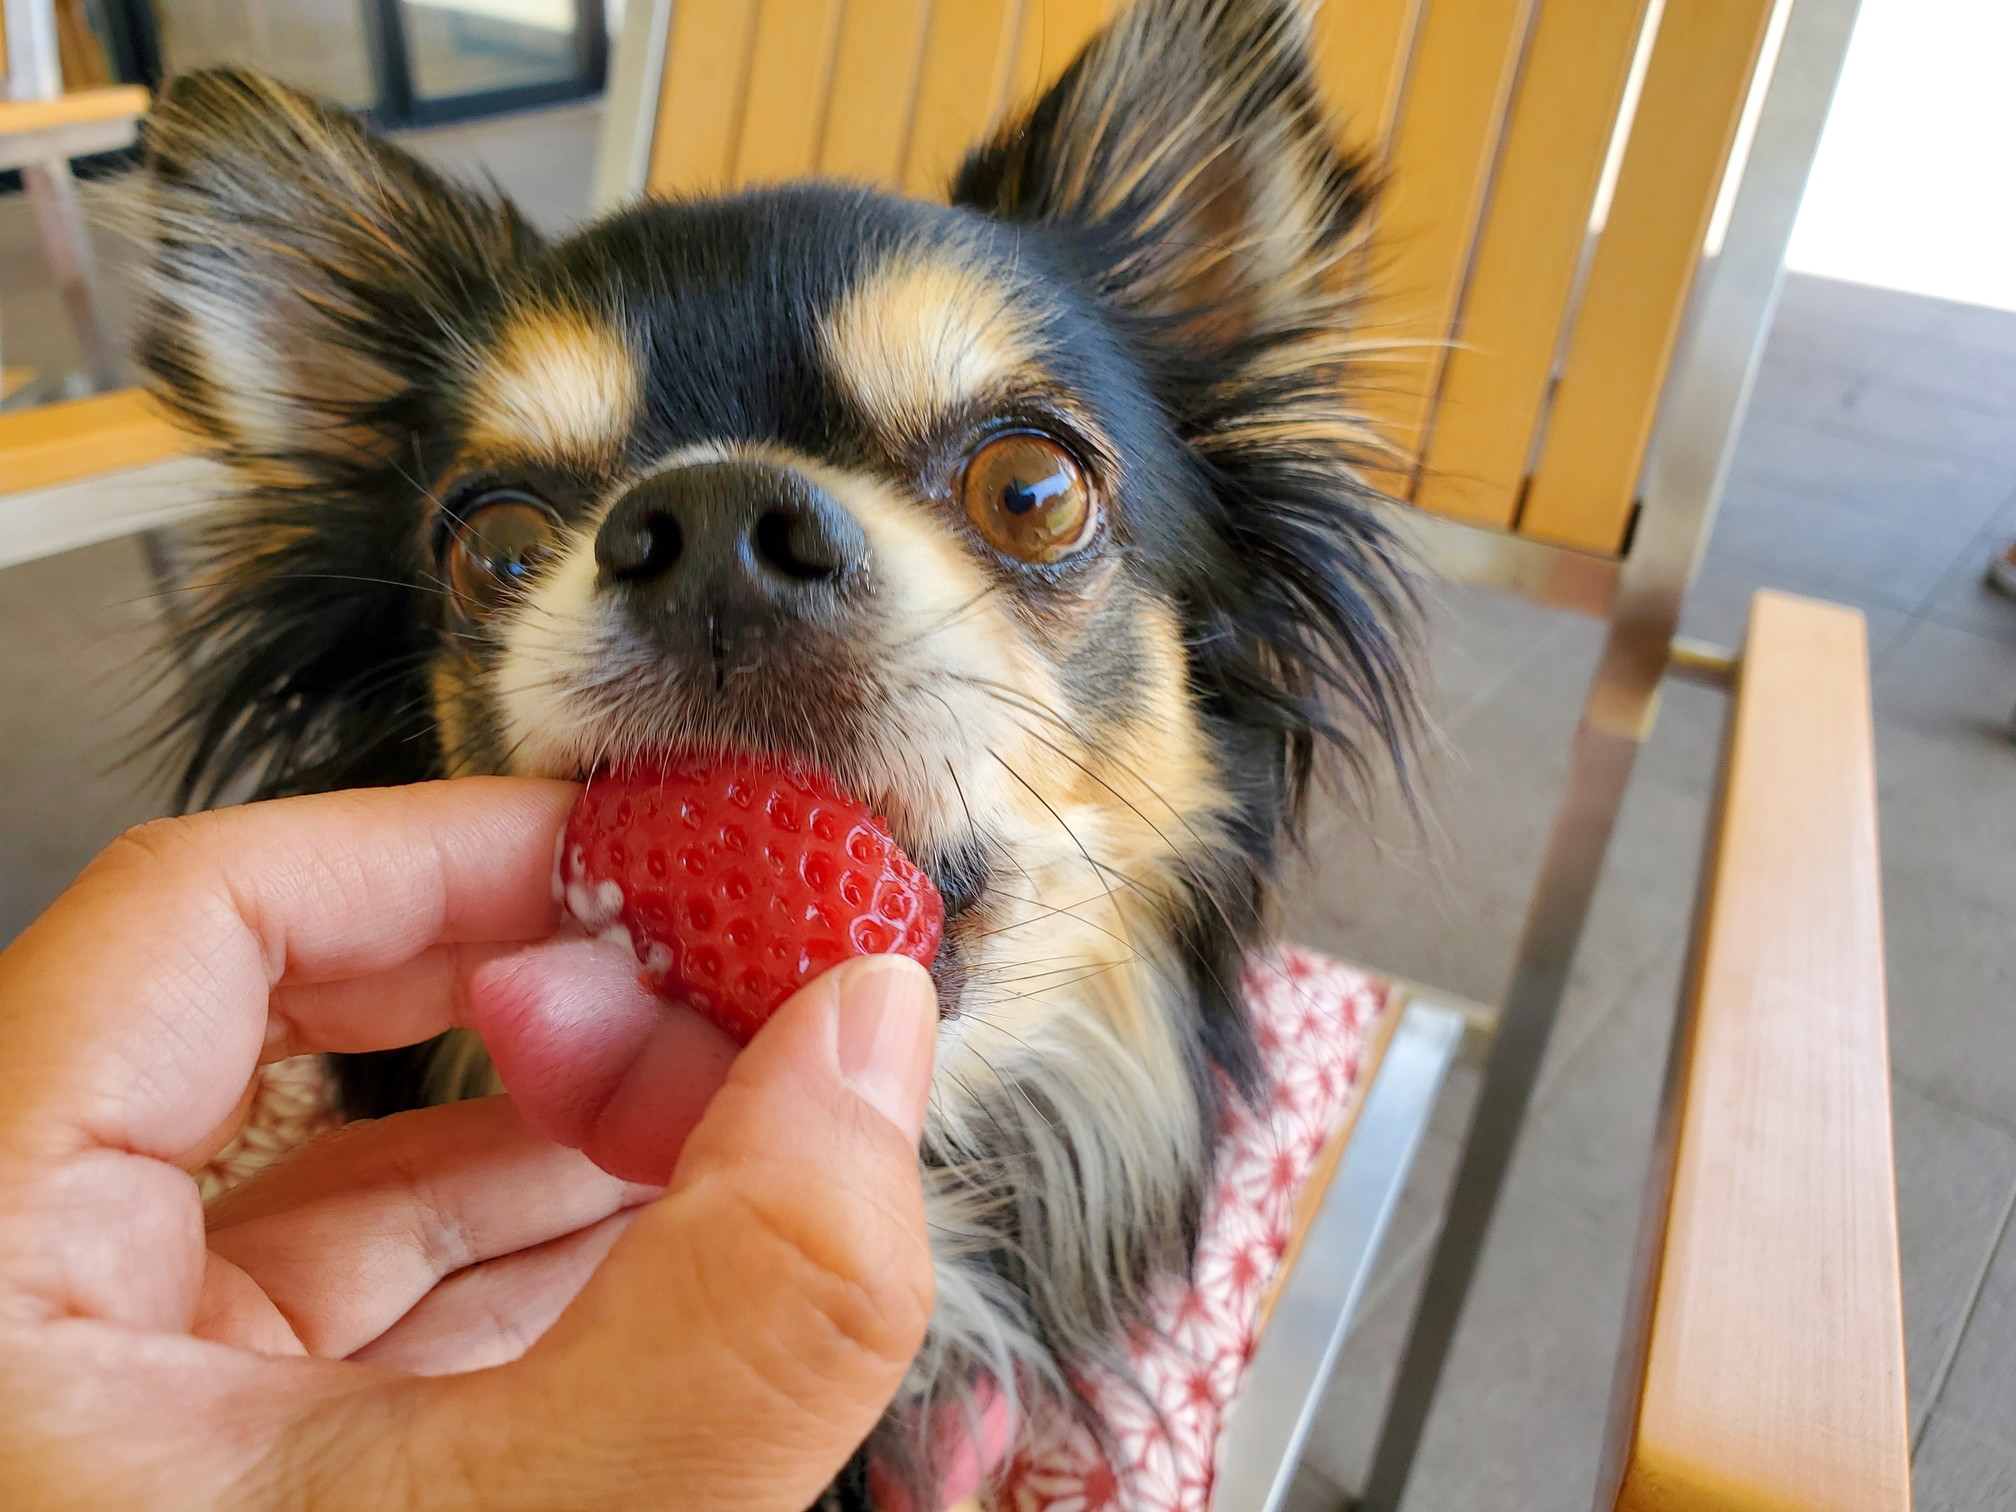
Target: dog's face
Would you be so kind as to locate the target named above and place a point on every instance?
(1031, 517)
(909, 514)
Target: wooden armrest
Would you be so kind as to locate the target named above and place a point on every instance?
(120, 102)
(57, 443)
(1773, 1369)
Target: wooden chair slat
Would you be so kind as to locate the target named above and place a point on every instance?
(1444, 148)
(1699, 79)
(878, 56)
(708, 53)
(117, 103)
(80, 438)
(1495, 387)
(784, 106)
(967, 59)
(1773, 1373)
(1361, 50)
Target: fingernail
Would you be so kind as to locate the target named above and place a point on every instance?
(886, 1030)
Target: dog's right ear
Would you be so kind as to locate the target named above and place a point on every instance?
(309, 283)
(313, 295)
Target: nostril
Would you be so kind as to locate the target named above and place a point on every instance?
(792, 543)
(642, 547)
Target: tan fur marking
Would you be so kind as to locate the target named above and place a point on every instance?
(560, 384)
(925, 335)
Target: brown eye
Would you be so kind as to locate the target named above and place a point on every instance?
(495, 550)
(1027, 496)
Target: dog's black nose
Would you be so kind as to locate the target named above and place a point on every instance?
(731, 547)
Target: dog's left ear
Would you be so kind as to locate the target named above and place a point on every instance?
(1188, 144)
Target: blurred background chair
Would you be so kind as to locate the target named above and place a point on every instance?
(61, 104)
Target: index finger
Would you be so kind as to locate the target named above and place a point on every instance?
(132, 1012)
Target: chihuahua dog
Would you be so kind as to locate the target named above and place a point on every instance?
(1037, 517)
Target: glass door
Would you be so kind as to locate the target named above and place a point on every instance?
(406, 62)
(449, 59)
(317, 45)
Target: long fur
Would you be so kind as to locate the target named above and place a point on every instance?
(1177, 241)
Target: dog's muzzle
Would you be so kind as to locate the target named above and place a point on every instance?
(720, 559)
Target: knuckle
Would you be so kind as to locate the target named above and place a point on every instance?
(862, 1278)
(158, 842)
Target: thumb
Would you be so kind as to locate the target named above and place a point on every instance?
(747, 1331)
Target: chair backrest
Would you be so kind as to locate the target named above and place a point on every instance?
(1554, 171)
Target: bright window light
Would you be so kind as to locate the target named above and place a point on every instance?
(1915, 184)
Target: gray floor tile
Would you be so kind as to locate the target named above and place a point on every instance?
(1955, 1176)
(1718, 602)
(1807, 542)
(1990, 329)
(1962, 600)
(1946, 788)
(1970, 360)
(1637, 929)
(1946, 770)
(1441, 905)
(1800, 392)
(1944, 680)
(1952, 968)
(1478, 639)
(1847, 328)
(1588, 1143)
(1442, 900)
(1979, 1389)
(1960, 1469)
(1869, 478)
(1923, 423)
(1313, 1492)
(1684, 754)
(1520, 1420)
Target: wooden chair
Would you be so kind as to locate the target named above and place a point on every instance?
(88, 468)
(1588, 209)
(1590, 201)
(46, 45)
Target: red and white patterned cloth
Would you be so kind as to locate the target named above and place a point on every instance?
(1313, 1017)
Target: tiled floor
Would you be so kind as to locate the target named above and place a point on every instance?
(1878, 468)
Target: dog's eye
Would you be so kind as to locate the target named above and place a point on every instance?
(1028, 497)
(495, 549)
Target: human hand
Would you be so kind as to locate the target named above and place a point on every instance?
(725, 1344)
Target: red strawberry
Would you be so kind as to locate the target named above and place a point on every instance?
(737, 879)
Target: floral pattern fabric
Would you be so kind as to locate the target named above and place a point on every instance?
(1313, 1016)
